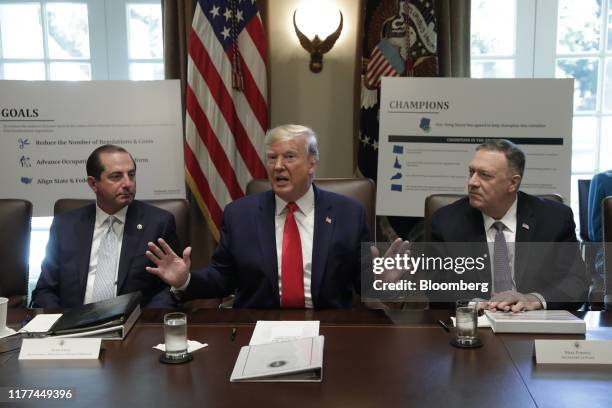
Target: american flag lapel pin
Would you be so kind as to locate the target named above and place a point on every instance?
(525, 226)
(328, 220)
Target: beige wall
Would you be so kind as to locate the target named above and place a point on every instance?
(323, 101)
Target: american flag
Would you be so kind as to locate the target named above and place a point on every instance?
(226, 100)
(378, 67)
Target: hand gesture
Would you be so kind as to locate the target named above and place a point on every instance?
(169, 267)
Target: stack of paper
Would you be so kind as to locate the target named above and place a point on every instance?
(536, 321)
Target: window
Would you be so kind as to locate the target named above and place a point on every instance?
(555, 38)
(81, 39)
(75, 40)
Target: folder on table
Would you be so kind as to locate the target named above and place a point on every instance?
(299, 360)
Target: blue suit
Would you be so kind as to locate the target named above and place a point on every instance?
(245, 261)
(600, 188)
(63, 277)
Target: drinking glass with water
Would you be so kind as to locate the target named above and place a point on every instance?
(175, 335)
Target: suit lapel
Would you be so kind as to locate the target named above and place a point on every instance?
(84, 237)
(129, 245)
(323, 230)
(266, 228)
(525, 226)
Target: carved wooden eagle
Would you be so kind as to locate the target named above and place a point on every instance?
(316, 47)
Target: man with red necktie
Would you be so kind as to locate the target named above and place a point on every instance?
(296, 246)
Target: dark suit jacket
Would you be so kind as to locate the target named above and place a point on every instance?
(63, 277)
(555, 271)
(245, 261)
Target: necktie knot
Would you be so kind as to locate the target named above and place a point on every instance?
(499, 226)
(292, 207)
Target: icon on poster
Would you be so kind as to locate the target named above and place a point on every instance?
(25, 161)
(26, 180)
(397, 164)
(23, 142)
(425, 124)
(396, 187)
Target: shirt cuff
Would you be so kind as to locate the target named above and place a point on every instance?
(540, 298)
(174, 289)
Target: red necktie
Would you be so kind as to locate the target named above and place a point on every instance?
(292, 268)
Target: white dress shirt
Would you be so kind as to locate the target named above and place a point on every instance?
(98, 233)
(304, 218)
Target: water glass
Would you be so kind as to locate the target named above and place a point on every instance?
(3, 310)
(466, 313)
(175, 335)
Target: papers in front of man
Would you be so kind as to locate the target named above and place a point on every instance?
(269, 331)
(108, 319)
(536, 321)
(296, 360)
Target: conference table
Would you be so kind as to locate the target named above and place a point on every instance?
(372, 358)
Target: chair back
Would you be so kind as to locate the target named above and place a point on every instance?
(606, 213)
(15, 219)
(436, 201)
(176, 206)
(361, 189)
(432, 204)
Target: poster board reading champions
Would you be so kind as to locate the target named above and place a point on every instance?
(429, 128)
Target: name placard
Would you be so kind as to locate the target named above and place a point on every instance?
(60, 349)
(573, 351)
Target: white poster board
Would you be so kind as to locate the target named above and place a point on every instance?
(429, 128)
(49, 128)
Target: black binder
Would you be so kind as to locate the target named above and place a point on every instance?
(98, 315)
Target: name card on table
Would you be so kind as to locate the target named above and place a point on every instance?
(50, 348)
(573, 351)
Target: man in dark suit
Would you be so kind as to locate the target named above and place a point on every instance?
(293, 247)
(543, 269)
(97, 252)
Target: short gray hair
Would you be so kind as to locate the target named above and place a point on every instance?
(288, 132)
(514, 155)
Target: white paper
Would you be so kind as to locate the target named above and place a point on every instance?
(50, 348)
(192, 346)
(41, 323)
(7, 332)
(267, 331)
(573, 351)
(483, 321)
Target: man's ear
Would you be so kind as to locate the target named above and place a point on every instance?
(313, 165)
(515, 182)
(91, 181)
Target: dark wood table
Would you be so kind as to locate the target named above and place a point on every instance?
(372, 359)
